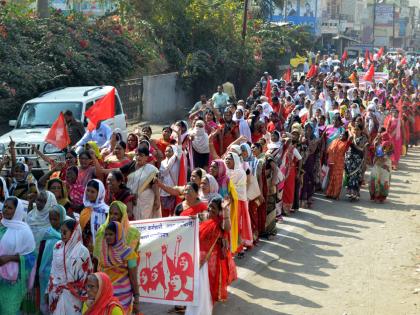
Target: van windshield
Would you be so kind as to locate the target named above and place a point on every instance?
(35, 115)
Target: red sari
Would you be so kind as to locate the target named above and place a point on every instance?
(221, 267)
(194, 210)
(289, 183)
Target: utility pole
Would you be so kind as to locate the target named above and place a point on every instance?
(245, 20)
(374, 21)
(42, 9)
(393, 25)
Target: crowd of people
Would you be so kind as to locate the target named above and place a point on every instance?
(66, 244)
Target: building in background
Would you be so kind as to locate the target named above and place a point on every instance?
(338, 24)
(296, 12)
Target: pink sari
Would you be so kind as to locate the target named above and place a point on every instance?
(394, 130)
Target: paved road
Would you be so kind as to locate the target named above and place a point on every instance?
(338, 258)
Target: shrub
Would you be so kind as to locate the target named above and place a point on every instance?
(41, 54)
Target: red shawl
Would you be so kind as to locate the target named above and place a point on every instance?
(105, 301)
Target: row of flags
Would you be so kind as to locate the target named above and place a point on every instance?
(103, 109)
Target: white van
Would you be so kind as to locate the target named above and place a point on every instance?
(38, 114)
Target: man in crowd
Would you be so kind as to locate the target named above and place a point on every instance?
(220, 99)
(74, 127)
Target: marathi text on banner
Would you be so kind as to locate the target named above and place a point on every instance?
(169, 260)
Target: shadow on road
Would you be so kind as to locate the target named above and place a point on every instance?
(294, 256)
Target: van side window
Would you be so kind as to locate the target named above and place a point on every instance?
(118, 107)
(88, 105)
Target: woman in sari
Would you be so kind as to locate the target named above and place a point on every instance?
(291, 165)
(336, 152)
(309, 146)
(140, 182)
(254, 192)
(239, 180)
(395, 128)
(217, 268)
(100, 296)
(95, 212)
(57, 215)
(118, 191)
(353, 164)
(23, 185)
(258, 218)
(132, 144)
(210, 120)
(86, 171)
(200, 145)
(119, 262)
(333, 131)
(165, 140)
(92, 146)
(37, 218)
(118, 213)
(192, 205)
(380, 175)
(227, 189)
(218, 170)
(118, 158)
(17, 257)
(59, 189)
(209, 188)
(75, 189)
(169, 175)
(71, 264)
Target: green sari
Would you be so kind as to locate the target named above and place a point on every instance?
(132, 235)
(13, 293)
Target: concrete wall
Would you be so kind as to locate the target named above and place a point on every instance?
(164, 100)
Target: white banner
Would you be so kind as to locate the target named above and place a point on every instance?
(169, 260)
(378, 76)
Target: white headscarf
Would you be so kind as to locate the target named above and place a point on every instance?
(169, 169)
(5, 192)
(18, 238)
(214, 189)
(267, 109)
(38, 219)
(99, 208)
(354, 111)
(201, 138)
(244, 129)
(238, 177)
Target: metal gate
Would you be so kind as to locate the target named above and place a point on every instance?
(131, 94)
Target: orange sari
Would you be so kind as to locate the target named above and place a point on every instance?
(336, 152)
(221, 267)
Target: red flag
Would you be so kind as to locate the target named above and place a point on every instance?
(380, 52)
(58, 134)
(287, 76)
(366, 55)
(312, 72)
(369, 74)
(182, 176)
(103, 109)
(344, 56)
(268, 91)
(403, 61)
